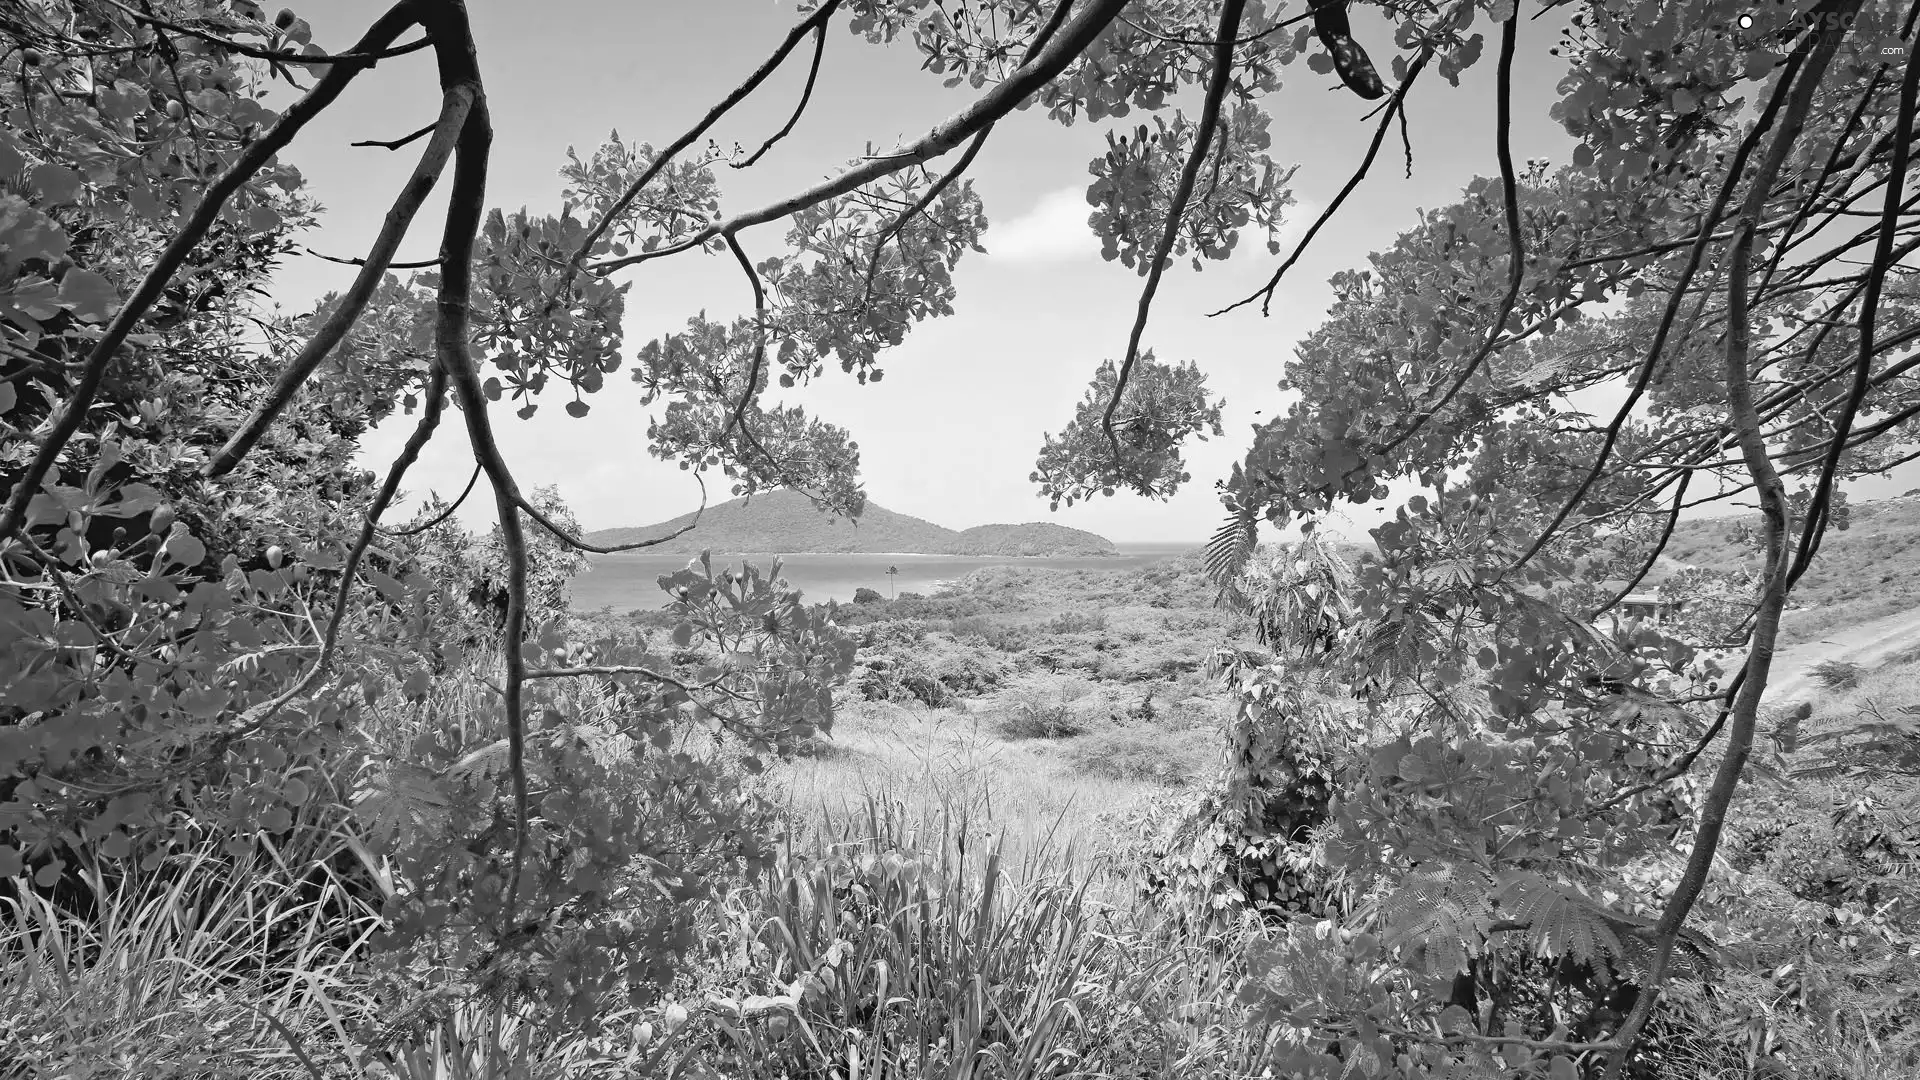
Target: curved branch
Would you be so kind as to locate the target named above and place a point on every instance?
(816, 21)
(1516, 247)
(1675, 298)
(806, 95)
(389, 26)
(1395, 104)
(1230, 13)
(578, 544)
(893, 229)
(457, 103)
(434, 522)
(257, 716)
(1777, 517)
(1032, 76)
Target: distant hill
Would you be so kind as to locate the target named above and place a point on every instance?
(787, 523)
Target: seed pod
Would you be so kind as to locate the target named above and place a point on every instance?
(274, 556)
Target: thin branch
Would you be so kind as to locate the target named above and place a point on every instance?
(806, 95)
(205, 213)
(1230, 13)
(1393, 106)
(1777, 517)
(457, 103)
(395, 144)
(561, 534)
(933, 192)
(1516, 245)
(1031, 77)
(434, 522)
(1666, 534)
(419, 264)
(815, 21)
(253, 719)
(1869, 311)
(359, 56)
(1675, 298)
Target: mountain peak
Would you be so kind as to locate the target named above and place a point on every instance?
(785, 522)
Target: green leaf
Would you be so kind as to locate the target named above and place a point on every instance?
(88, 295)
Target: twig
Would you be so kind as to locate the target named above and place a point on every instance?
(418, 264)
(415, 530)
(933, 192)
(1230, 13)
(361, 55)
(395, 144)
(297, 116)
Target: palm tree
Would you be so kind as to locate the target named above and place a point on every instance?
(893, 572)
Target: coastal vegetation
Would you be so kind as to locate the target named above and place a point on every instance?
(293, 787)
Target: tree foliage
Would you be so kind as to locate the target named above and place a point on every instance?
(204, 616)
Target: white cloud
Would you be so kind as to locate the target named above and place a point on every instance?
(1055, 228)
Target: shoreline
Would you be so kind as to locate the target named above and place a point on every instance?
(867, 555)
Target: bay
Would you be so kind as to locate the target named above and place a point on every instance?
(628, 581)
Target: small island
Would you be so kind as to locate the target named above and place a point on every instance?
(787, 523)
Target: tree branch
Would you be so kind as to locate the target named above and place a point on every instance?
(389, 26)
(1230, 13)
(1032, 76)
(814, 22)
(455, 105)
(1394, 104)
(1777, 517)
(806, 95)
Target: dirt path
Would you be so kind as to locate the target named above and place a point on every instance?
(1866, 644)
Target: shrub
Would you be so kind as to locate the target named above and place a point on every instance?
(864, 595)
(1077, 622)
(1838, 675)
(1049, 707)
(1170, 760)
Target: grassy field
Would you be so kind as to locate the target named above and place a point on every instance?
(1869, 570)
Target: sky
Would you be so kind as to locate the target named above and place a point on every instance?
(951, 433)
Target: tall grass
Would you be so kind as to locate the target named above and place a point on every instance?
(199, 966)
(899, 949)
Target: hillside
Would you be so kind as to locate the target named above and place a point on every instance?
(1869, 571)
(786, 523)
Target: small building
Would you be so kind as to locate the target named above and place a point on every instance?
(1645, 606)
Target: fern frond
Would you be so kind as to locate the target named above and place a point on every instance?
(1231, 547)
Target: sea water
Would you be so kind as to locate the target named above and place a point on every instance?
(628, 581)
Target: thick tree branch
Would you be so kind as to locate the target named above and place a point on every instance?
(1776, 517)
(456, 104)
